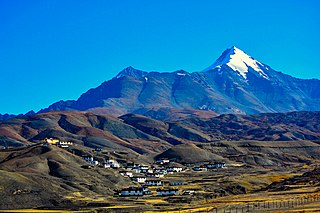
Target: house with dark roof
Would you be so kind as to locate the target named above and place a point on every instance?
(176, 183)
(172, 169)
(215, 165)
(199, 168)
(134, 191)
(167, 192)
(153, 182)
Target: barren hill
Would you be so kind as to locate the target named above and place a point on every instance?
(46, 176)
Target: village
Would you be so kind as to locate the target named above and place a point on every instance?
(149, 180)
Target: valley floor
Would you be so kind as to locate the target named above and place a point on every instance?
(306, 199)
(295, 198)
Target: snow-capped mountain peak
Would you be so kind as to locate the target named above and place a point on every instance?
(238, 61)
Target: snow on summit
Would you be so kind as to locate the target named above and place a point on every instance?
(238, 61)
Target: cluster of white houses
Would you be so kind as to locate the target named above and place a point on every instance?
(150, 176)
(110, 163)
(144, 175)
(141, 173)
(140, 191)
(134, 191)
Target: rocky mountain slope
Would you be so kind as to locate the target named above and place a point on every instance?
(235, 83)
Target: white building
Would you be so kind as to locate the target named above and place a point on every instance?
(64, 144)
(199, 169)
(88, 158)
(160, 171)
(113, 163)
(153, 183)
(94, 162)
(105, 165)
(126, 174)
(162, 161)
(139, 179)
(174, 169)
(146, 170)
(144, 167)
(189, 192)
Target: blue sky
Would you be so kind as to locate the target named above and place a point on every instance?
(56, 50)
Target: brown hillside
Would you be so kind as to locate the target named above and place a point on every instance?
(45, 176)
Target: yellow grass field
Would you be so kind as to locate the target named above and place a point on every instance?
(35, 210)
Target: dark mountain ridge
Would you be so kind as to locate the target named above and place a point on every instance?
(235, 83)
(8, 116)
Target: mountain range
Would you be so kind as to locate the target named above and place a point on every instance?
(235, 83)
